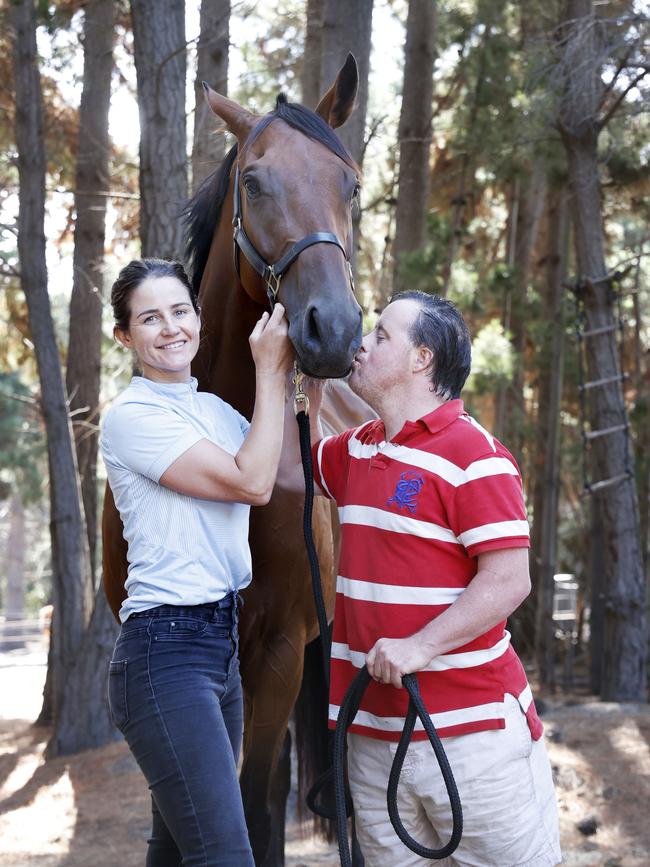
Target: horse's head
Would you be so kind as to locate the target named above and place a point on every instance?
(294, 182)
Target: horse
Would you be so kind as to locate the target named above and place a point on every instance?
(287, 185)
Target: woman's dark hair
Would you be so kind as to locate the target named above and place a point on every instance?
(134, 274)
(440, 327)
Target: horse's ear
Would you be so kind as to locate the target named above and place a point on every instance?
(237, 119)
(336, 105)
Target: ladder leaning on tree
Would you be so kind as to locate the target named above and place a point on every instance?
(585, 387)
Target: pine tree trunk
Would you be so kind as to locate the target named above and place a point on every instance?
(85, 340)
(529, 209)
(625, 638)
(415, 132)
(539, 607)
(70, 562)
(14, 601)
(311, 62)
(160, 62)
(212, 66)
(347, 27)
(466, 167)
(84, 720)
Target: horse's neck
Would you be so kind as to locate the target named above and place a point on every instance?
(224, 364)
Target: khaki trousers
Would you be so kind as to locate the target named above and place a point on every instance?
(506, 789)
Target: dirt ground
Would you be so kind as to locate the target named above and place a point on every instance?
(91, 810)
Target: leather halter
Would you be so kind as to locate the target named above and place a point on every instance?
(272, 274)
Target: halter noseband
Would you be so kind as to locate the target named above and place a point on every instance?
(272, 274)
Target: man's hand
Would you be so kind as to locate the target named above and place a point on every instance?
(391, 658)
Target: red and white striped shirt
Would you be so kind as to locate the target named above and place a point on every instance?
(415, 512)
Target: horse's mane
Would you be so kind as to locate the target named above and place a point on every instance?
(203, 211)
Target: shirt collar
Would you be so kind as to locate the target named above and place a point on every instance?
(434, 421)
(171, 388)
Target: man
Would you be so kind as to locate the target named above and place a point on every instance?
(434, 558)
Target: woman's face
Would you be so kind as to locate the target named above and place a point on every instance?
(163, 329)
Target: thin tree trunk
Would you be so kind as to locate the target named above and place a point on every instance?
(530, 207)
(311, 63)
(160, 63)
(415, 132)
(539, 609)
(209, 149)
(14, 601)
(466, 171)
(70, 563)
(85, 340)
(625, 639)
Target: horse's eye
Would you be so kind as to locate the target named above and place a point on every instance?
(356, 192)
(251, 186)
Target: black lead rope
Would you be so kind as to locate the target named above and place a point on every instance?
(352, 701)
(308, 469)
(416, 708)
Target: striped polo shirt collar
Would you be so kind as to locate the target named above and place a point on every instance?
(434, 422)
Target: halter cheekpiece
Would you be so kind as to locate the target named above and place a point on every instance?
(272, 274)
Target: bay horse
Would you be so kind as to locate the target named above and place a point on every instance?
(295, 178)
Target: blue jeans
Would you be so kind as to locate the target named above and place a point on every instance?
(175, 693)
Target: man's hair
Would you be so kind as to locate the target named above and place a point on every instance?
(440, 327)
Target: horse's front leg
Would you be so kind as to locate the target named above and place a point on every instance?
(271, 681)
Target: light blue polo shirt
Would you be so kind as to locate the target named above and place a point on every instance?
(182, 550)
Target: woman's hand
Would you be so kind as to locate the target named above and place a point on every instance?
(270, 345)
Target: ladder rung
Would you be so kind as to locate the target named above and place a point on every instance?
(594, 332)
(594, 434)
(606, 381)
(605, 483)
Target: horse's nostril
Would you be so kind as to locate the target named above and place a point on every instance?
(313, 330)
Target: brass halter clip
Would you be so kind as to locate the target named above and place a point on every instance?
(300, 400)
(272, 286)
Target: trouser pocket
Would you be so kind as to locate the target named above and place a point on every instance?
(117, 700)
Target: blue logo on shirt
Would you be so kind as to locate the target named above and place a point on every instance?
(407, 491)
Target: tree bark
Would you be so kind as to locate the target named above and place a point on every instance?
(525, 217)
(70, 563)
(14, 601)
(311, 63)
(347, 27)
(625, 639)
(539, 608)
(84, 720)
(212, 66)
(85, 340)
(415, 132)
(160, 63)
(466, 168)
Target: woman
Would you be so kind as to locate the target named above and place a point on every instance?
(184, 468)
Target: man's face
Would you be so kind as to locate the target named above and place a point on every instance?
(383, 364)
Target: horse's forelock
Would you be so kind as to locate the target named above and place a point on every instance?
(305, 121)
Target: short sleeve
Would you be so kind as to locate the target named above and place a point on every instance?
(487, 511)
(146, 439)
(244, 423)
(331, 460)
